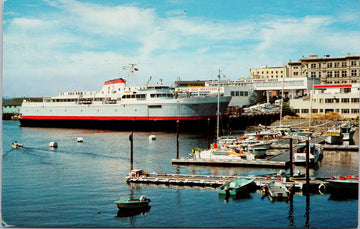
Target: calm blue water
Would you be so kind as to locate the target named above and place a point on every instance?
(67, 186)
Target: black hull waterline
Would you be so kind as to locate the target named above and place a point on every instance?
(125, 125)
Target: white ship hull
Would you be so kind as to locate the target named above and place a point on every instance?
(122, 112)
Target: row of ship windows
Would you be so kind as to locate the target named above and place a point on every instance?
(127, 96)
(317, 111)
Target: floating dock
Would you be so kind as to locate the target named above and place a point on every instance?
(217, 181)
(240, 162)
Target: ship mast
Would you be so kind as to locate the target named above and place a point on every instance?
(130, 78)
(218, 108)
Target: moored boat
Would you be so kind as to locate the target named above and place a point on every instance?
(315, 155)
(277, 190)
(119, 106)
(142, 202)
(334, 136)
(236, 187)
(348, 131)
(348, 184)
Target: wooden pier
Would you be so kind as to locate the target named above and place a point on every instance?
(239, 162)
(217, 181)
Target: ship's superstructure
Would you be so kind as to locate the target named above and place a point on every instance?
(121, 107)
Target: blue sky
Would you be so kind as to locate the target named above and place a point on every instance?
(51, 46)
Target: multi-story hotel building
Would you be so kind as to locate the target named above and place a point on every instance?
(330, 70)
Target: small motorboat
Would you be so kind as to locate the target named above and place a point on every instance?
(16, 145)
(346, 184)
(236, 187)
(142, 202)
(277, 190)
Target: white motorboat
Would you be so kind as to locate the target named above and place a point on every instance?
(16, 145)
(315, 154)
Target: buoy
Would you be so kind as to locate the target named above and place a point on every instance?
(53, 145)
(152, 137)
(79, 139)
(98, 212)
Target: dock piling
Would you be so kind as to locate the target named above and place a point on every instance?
(131, 150)
(307, 150)
(291, 158)
(177, 138)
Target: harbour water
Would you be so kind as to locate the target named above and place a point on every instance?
(76, 184)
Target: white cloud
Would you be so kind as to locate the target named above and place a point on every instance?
(85, 44)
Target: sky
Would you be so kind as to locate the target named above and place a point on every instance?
(52, 46)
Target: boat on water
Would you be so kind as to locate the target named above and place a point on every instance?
(16, 145)
(277, 190)
(315, 155)
(142, 202)
(218, 154)
(236, 187)
(334, 136)
(249, 145)
(348, 131)
(119, 106)
(348, 184)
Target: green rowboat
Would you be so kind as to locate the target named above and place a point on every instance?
(235, 187)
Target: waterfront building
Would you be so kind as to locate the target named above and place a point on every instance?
(239, 90)
(293, 87)
(338, 98)
(330, 70)
(265, 72)
(11, 107)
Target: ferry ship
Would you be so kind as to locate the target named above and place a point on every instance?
(120, 107)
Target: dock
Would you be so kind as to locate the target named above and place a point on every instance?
(216, 181)
(240, 162)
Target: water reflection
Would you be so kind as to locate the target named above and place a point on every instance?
(236, 198)
(291, 214)
(133, 212)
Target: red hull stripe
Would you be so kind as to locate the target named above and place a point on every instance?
(112, 118)
(333, 86)
(114, 81)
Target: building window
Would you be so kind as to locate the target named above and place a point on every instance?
(345, 111)
(296, 110)
(354, 100)
(313, 65)
(314, 111)
(304, 111)
(354, 111)
(296, 73)
(336, 64)
(313, 74)
(353, 72)
(353, 63)
(346, 90)
(329, 65)
(343, 64)
(343, 73)
(321, 110)
(329, 74)
(345, 100)
(337, 74)
(329, 100)
(320, 100)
